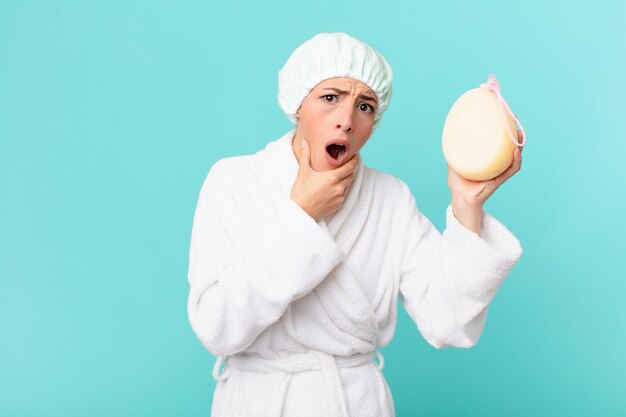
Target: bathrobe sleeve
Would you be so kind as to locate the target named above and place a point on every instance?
(448, 280)
(237, 291)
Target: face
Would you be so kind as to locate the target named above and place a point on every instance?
(337, 110)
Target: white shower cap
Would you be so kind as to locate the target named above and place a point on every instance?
(330, 55)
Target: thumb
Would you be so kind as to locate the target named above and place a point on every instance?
(305, 155)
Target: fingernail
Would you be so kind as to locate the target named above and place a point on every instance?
(302, 143)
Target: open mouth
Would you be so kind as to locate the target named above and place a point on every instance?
(336, 151)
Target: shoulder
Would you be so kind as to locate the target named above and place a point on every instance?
(391, 186)
(225, 169)
(227, 166)
(223, 176)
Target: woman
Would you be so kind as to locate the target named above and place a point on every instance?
(300, 251)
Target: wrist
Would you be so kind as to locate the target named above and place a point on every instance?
(303, 207)
(470, 216)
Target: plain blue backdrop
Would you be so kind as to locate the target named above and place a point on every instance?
(112, 113)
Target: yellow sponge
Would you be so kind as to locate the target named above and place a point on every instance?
(476, 143)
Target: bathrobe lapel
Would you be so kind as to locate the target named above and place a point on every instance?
(338, 303)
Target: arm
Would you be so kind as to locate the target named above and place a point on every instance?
(237, 293)
(447, 281)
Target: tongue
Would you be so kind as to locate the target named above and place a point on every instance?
(336, 151)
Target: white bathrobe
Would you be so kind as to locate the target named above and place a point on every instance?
(296, 309)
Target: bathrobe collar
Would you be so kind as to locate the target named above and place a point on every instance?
(342, 296)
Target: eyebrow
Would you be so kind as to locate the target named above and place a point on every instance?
(343, 92)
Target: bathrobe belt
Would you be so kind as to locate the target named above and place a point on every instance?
(313, 360)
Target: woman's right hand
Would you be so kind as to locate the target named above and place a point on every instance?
(321, 193)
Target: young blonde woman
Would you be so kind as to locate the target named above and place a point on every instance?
(299, 252)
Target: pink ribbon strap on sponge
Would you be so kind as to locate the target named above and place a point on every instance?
(493, 85)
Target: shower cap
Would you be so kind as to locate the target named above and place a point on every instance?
(330, 55)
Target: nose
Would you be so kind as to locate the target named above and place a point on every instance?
(345, 115)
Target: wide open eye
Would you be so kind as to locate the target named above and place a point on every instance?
(368, 106)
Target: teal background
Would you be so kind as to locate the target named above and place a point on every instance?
(111, 114)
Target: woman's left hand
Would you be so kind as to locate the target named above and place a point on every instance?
(473, 194)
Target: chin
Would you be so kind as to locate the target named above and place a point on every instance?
(324, 166)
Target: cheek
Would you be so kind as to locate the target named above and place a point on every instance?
(314, 117)
(364, 125)
(313, 130)
(361, 143)
(367, 118)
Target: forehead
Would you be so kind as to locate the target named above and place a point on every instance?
(345, 83)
